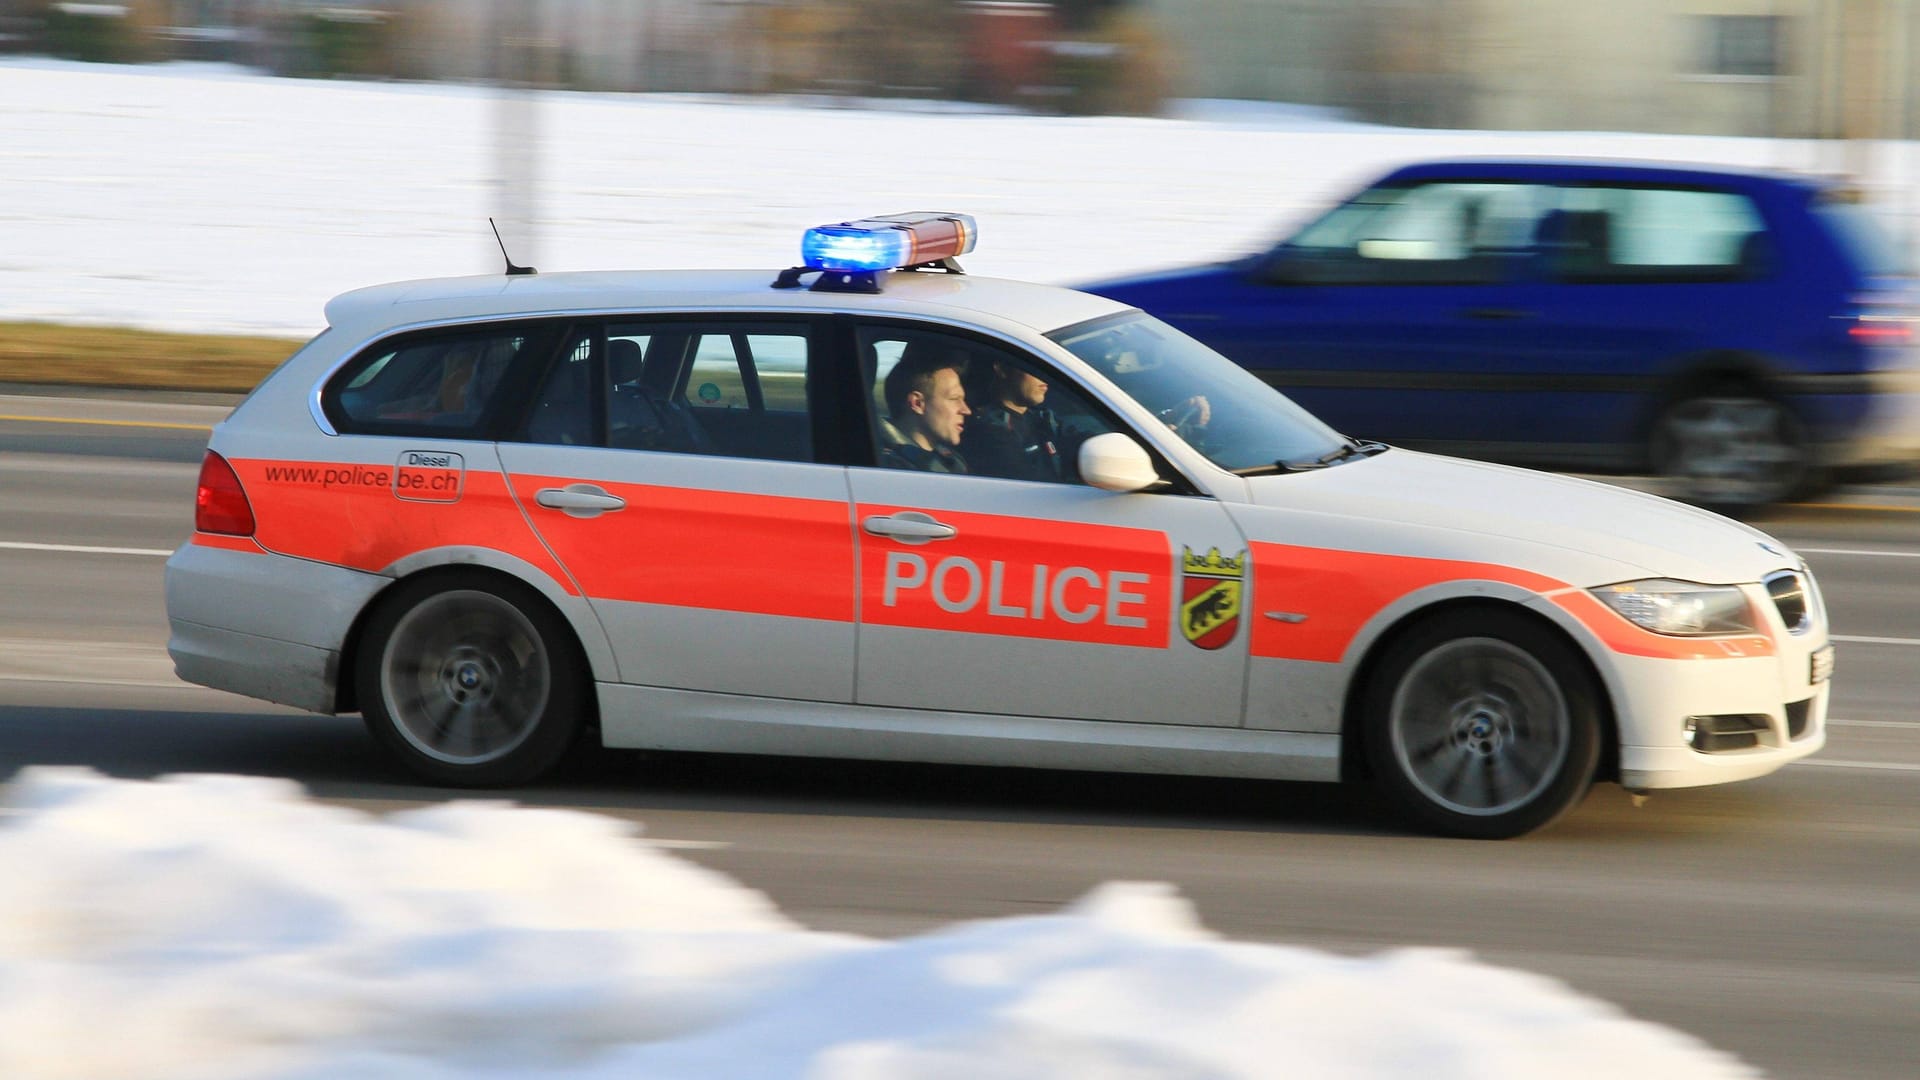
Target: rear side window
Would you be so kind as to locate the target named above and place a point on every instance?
(444, 384)
(727, 390)
(1647, 234)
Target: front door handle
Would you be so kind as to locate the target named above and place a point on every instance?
(1497, 313)
(579, 500)
(908, 527)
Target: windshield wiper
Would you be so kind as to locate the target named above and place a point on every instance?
(1348, 450)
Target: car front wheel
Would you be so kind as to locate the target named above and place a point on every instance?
(1482, 724)
(471, 681)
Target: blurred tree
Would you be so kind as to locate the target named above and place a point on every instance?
(899, 48)
(120, 33)
(1120, 65)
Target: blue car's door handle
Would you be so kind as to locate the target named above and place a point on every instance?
(1498, 313)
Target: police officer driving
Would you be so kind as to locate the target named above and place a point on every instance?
(1013, 433)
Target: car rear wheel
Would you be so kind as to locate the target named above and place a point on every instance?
(471, 681)
(1482, 724)
(1732, 449)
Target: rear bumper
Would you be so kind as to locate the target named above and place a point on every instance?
(1881, 426)
(279, 671)
(263, 625)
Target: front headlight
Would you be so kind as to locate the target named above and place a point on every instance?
(1665, 606)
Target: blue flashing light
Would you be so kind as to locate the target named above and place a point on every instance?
(852, 247)
(887, 242)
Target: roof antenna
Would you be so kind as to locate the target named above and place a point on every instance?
(512, 270)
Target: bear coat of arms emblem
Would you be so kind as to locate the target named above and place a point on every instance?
(1211, 588)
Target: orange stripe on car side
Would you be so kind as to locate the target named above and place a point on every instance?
(227, 543)
(1338, 592)
(726, 551)
(350, 515)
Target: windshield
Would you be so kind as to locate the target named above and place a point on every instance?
(1239, 422)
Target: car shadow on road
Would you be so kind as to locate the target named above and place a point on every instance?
(141, 744)
(750, 783)
(333, 757)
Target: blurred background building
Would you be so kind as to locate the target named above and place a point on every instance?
(1791, 68)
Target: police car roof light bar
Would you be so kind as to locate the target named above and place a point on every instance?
(854, 256)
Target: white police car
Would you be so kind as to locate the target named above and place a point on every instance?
(828, 512)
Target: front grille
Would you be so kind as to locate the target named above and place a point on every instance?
(1789, 592)
(1797, 714)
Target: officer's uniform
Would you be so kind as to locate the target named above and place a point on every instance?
(1017, 445)
(906, 454)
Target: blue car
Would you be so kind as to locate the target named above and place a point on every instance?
(1748, 335)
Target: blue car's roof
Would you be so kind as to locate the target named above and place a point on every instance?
(1548, 170)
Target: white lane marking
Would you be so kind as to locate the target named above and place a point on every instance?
(1858, 551)
(83, 549)
(174, 684)
(1874, 723)
(1883, 766)
(1875, 640)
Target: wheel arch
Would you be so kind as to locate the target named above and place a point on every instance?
(1353, 750)
(570, 609)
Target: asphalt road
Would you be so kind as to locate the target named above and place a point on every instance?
(1778, 919)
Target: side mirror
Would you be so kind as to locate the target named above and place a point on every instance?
(1114, 462)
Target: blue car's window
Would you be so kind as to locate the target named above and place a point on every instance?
(1649, 234)
(1221, 409)
(1433, 233)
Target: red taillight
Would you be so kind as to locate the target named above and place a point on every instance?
(220, 506)
(1880, 332)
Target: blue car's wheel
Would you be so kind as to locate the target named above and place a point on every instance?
(1732, 449)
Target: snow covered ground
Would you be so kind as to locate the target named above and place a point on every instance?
(220, 927)
(226, 927)
(199, 197)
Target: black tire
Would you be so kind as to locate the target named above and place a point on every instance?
(1482, 724)
(1732, 449)
(471, 680)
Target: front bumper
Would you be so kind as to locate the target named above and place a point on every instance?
(1790, 714)
(263, 625)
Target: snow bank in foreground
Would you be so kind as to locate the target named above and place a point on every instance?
(226, 927)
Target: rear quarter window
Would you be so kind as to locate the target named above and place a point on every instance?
(1866, 240)
(444, 384)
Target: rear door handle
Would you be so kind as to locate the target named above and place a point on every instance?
(1497, 313)
(579, 500)
(908, 527)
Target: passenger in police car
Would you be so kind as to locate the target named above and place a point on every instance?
(1013, 433)
(926, 410)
